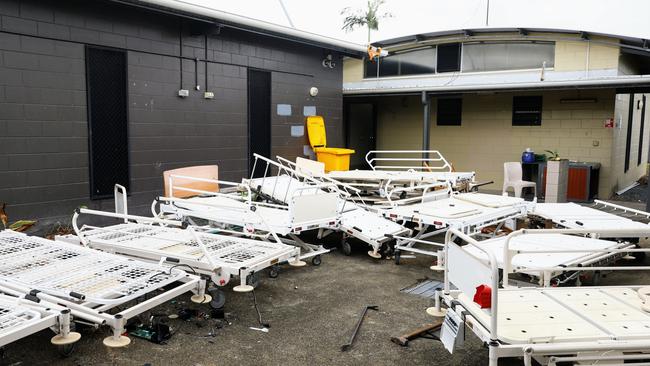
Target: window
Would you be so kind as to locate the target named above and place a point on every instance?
(643, 101)
(507, 56)
(527, 111)
(449, 112)
(408, 63)
(449, 57)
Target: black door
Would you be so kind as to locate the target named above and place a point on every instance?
(360, 132)
(108, 142)
(259, 117)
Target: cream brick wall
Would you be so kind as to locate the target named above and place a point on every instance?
(352, 70)
(572, 56)
(487, 138)
(622, 179)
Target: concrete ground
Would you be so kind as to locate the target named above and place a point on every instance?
(312, 311)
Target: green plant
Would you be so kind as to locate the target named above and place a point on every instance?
(364, 18)
(554, 155)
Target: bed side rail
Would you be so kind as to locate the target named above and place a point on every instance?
(598, 204)
(508, 253)
(417, 160)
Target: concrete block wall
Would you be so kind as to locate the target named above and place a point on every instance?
(43, 116)
(486, 139)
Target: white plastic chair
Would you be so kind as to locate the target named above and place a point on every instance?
(512, 178)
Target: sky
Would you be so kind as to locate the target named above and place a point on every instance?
(620, 17)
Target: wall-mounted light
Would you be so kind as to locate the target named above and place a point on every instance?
(313, 91)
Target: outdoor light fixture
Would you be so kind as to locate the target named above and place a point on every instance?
(313, 91)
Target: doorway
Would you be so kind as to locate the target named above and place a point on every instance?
(259, 117)
(108, 139)
(360, 131)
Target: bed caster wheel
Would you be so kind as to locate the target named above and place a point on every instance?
(66, 350)
(316, 260)
(201, 299)
(398, 254)
(113, 342)
(218, 298)
(274, 272)
(436, 313)
(374, 254)
(346, 248)
(253, 279)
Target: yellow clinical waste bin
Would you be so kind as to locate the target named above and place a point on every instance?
(334, 158)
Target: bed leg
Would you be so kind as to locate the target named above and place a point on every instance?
(436, 310)
(201, 297)
(117, 339)
(493, 356)
(243, 287)
(65, 336)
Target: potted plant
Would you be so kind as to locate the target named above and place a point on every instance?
(557, 174)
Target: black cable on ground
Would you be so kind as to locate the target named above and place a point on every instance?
(259, 315)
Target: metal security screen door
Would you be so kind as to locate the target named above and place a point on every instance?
(108, 143)
(259, 116)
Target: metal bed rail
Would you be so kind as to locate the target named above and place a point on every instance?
(553, 352)
(429, 160)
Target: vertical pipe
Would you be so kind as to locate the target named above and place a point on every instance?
(180, 52)
(206, 62)
(426, 123)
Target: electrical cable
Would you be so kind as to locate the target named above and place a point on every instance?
(168, 273)
(259, 315)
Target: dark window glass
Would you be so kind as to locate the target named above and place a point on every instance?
(417, 62)
(507, 56)
(449, 112)
(449, 57)
(527, 111)
(409, 63)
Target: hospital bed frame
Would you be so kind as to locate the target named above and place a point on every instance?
(282, 178)
(597, 216)
(221, 257)
(240, 210)
(548, 325)
(22, 317)
(394, 168)
(88, 282)
(429, 225)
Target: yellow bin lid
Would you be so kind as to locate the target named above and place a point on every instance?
(316, 131)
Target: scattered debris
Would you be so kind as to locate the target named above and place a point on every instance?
(425, 288)
(348, 345)
(265, 330)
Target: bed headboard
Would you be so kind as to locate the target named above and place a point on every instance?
(200, 171)
(310, 167)
(466, 271)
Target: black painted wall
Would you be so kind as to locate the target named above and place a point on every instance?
(43, 117)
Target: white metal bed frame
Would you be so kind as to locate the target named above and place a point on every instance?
(88, 282)
(20, 317)
(399, 168)
(601, 215)
(627, 331)
(221, 257)
(241, 211)
(430, 225)
(354, 220)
